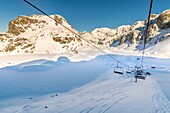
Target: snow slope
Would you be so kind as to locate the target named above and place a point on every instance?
(162, 46)
(42, 75)
(102, 92)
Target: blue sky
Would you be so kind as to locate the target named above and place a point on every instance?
(84, 14)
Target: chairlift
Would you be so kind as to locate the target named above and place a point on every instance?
(133, 70)
(128, 71)
(139, 74)
(153, 66)
(137, 58)
(118, 69)
(147, 73)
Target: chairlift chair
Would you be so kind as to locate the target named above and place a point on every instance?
(118, 69)
(153, 66)
(137, 58)
(128, 71)
(139, 74)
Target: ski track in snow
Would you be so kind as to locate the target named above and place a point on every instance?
(114, 104)
(160, 101)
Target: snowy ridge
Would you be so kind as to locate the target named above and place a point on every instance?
(38, 34)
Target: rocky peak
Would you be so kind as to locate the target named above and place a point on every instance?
(163, 20)
(23, 23)
(138, 25)
(39, 34)
(153, 16)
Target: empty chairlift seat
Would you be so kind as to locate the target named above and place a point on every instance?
(137, 58)
(118, 70)
(153, 66)
(128, 71)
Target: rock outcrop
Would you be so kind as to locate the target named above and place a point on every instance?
(163, 20)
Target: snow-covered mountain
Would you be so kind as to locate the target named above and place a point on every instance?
(39, 34)
(133, 35)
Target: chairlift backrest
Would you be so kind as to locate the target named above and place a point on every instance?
(139, 72)
(140, 77)
(153, 66)
(128, 71)
(118, 70)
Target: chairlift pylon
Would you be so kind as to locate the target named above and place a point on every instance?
(118, 69)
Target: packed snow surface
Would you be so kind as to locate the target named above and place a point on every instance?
(63, 86)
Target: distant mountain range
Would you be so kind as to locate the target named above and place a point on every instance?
(38, 34)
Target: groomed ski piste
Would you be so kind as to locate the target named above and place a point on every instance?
(82, 84)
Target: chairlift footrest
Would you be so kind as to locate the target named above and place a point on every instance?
(140, 77)
(118, 72)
